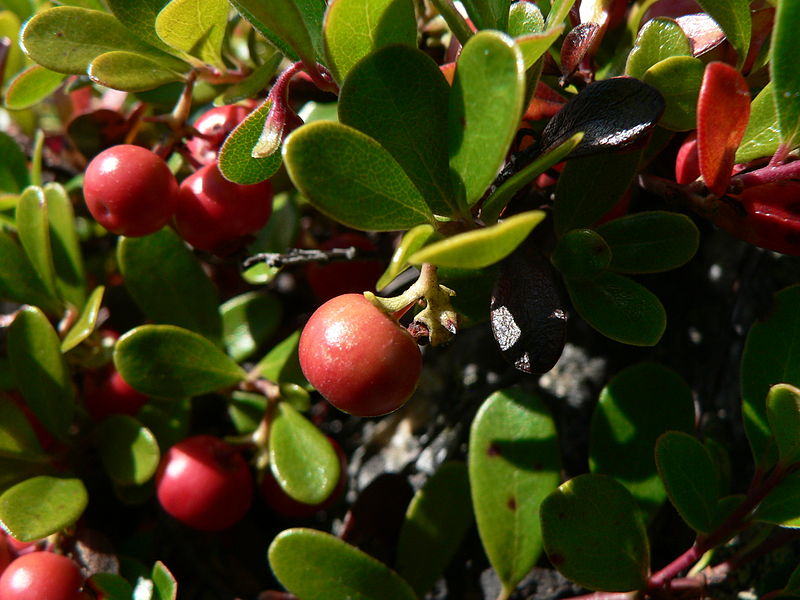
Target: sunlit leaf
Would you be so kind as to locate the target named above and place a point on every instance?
(40, 506)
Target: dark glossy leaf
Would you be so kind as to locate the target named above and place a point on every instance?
(782, 504)
(733, 17)
(723, 109)
(128, 449)
(140, 17)
(248, 320)
(169, 284)
(40, 370)
(513, 464)
(595, 536)
(678, 79)
(14, 167)
(134, 72)
(170, 362)
(785, 72)
(581, 254)
(488, 14)
(310, 564)
(40, 506)
(196, 27)
(650, 242)
(613, 113)
(19, 281)
(783, 414)
(30, 87)
(690, 479)
(527, 311)
(619, 308)
(763, 134)
(67, 259)
(355, 28)
(87, 321)
(34, 234)
(410, 121)
(658, 39)
(486, 103)
(771, 355)
(351, 178)
(236, 160)
(590, 186)
(635, 408)
(437, 520)
(576, 44)
(301, 458)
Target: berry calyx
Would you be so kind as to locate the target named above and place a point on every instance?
(214, 214)
(358, 357)
(40, 575)
(130, 191)
(204, 483)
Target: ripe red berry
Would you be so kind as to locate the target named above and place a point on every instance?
(687, 163)
(39, 576)
(213, 213)
(106, 393)
(358, 357)
(215, 125)
(352, 276)
(130, 191)
(205, 483)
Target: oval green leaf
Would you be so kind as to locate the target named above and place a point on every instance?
(355, 28)
(128, 449)
(438, 518)
(133, 72)
(763, 134)
(690, 479)
(67, 259)
(480, 247)
(166, 586)
(281, 364)
(236, 160)
(650, 242)
(34, 235)
(17, 438)
(782, 504)
(19, 282)
(40, 370)
(619, 308)
(595, 536)
(351, 178)
(733, 16)
(658, 39)
(168, 283)
(196, 27)
(140, 17)
(513, 464)
(87, 321)
(635, 408)
(40, 506)
(310, 564)
(170, 362)
(410, 121)
(14, 175)
(488, 14)
(678, 79)
(301, 458)
(31, 86)
(248, 320)
(783, 414)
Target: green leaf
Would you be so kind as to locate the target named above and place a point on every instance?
(763, 134)
(40, 506)
(590, 186)
(165, 585)
(22, 8)
(19, 281)
(30, 87)
(581, 254)
(619, 308)
(534, 45)
(486, 103)
(690, 479)
(351, 178)
(559, 9)
(783, 414)
(128, 449)
(293, 26)
(733, 16)
(310, 564)
(488, 14)
(133, 72)
(513, 464)
(139, 16)
(170, 362)
(793, 585)
(110, 586)
(658, 39)
(278, 235)
(650, 242)
(196, 27)
(169, 421)
(301, 458)
(236, 161)
(678, 79)
(17, 438)
(40, 370)
(251, 86)
(595, 536)
(87, 321)
(480, 247)
(782, 504)
(356, 28)
(14, 59)
(410, 121)
(14, 168)
(524, 18)
(248, 320)
(34, 234)
(281, 364)
(66, 39)
(246, 410)
(438, 518)
(635, 408)
(169, 284)
(413, 239)
(771, 355)
(67, 259)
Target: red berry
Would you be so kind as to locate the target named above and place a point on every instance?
(358, 357)
(215, 125)
(214, 213)
(40, 576)
(687, 163)
(5, 553)
(106, 393)
(204, 483)
(130, 191)
(352, 276)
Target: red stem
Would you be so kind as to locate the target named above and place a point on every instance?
(767, 174)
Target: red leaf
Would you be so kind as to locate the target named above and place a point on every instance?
(576, 44)
(545, 103)
(723, 109)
